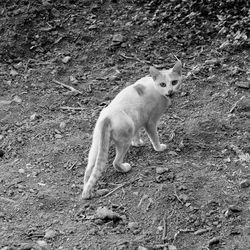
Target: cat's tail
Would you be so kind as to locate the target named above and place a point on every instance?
(100, 146)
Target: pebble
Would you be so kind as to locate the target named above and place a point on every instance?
(62, 125)
(142, 248)
(66, 59)
(73, 80)
(21, 171)
(43, 245)
(117, 38)
(161, 170)
(58, 136)
(172, 247)
(245, 85)
(200, 231)
(235, 208)
(34, 116)
(17, 99)
(49, 234)
(213, 241)
(13, 72)
(245, 184)
(105, 213)
(173, 153)
(133, 225)
(101, 192)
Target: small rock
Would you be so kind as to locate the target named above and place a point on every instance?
(172, 247)
(58, 136)
(142, 248)
(18, 65)
(49, 234)
(105, 213)
(73, 80)
(235, 209)
(212, 61)
(117, 39)
(245, 184)
(101, 192)
(62, 125)
(134, 227)
(34, 117)
(66, 59)
(173, 153)
(43, 245)
(245, 85)
(57, 131)
(161, 170)
(213, 241)
(200, 231)
(21, 171)
(1, 153)
(13, 72)
(17, 99)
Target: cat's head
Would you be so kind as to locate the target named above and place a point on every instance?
(167, 82)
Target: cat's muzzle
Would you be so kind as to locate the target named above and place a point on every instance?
(170, 93)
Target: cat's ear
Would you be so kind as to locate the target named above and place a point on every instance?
(177, 67)
(154, 73)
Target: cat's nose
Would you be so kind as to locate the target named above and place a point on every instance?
(170, 93)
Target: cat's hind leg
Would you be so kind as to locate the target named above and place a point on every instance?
(91, 163)
(121, 150)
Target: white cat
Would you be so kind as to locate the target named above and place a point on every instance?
(137, 106)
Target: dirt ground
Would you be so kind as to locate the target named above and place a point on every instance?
(193, 196)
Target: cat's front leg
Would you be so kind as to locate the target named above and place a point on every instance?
(137, 141)
(151, 130)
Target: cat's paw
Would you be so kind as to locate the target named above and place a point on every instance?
(162, 147)
(126, 167)
(123, 168)
(137, 143)
(86, 195)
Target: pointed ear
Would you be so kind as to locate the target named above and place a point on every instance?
(154, 73)
(177, 67)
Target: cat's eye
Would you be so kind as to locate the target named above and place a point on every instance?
(163, 84)
(174, 82)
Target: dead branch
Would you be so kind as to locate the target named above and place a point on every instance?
(120, 186)
(72, 108)
(176, 195)
(236, 103)
(66, 86)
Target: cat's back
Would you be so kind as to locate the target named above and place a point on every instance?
(134, 92)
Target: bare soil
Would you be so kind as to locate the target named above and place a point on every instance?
(193, 196)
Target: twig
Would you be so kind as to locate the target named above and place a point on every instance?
(181, 231)
(122, 185)
(176, 195)
(111, 192)
(235, 104)
(72, 108)
(176, 57)
(66, 86)
(72, 165)
(165, 227)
